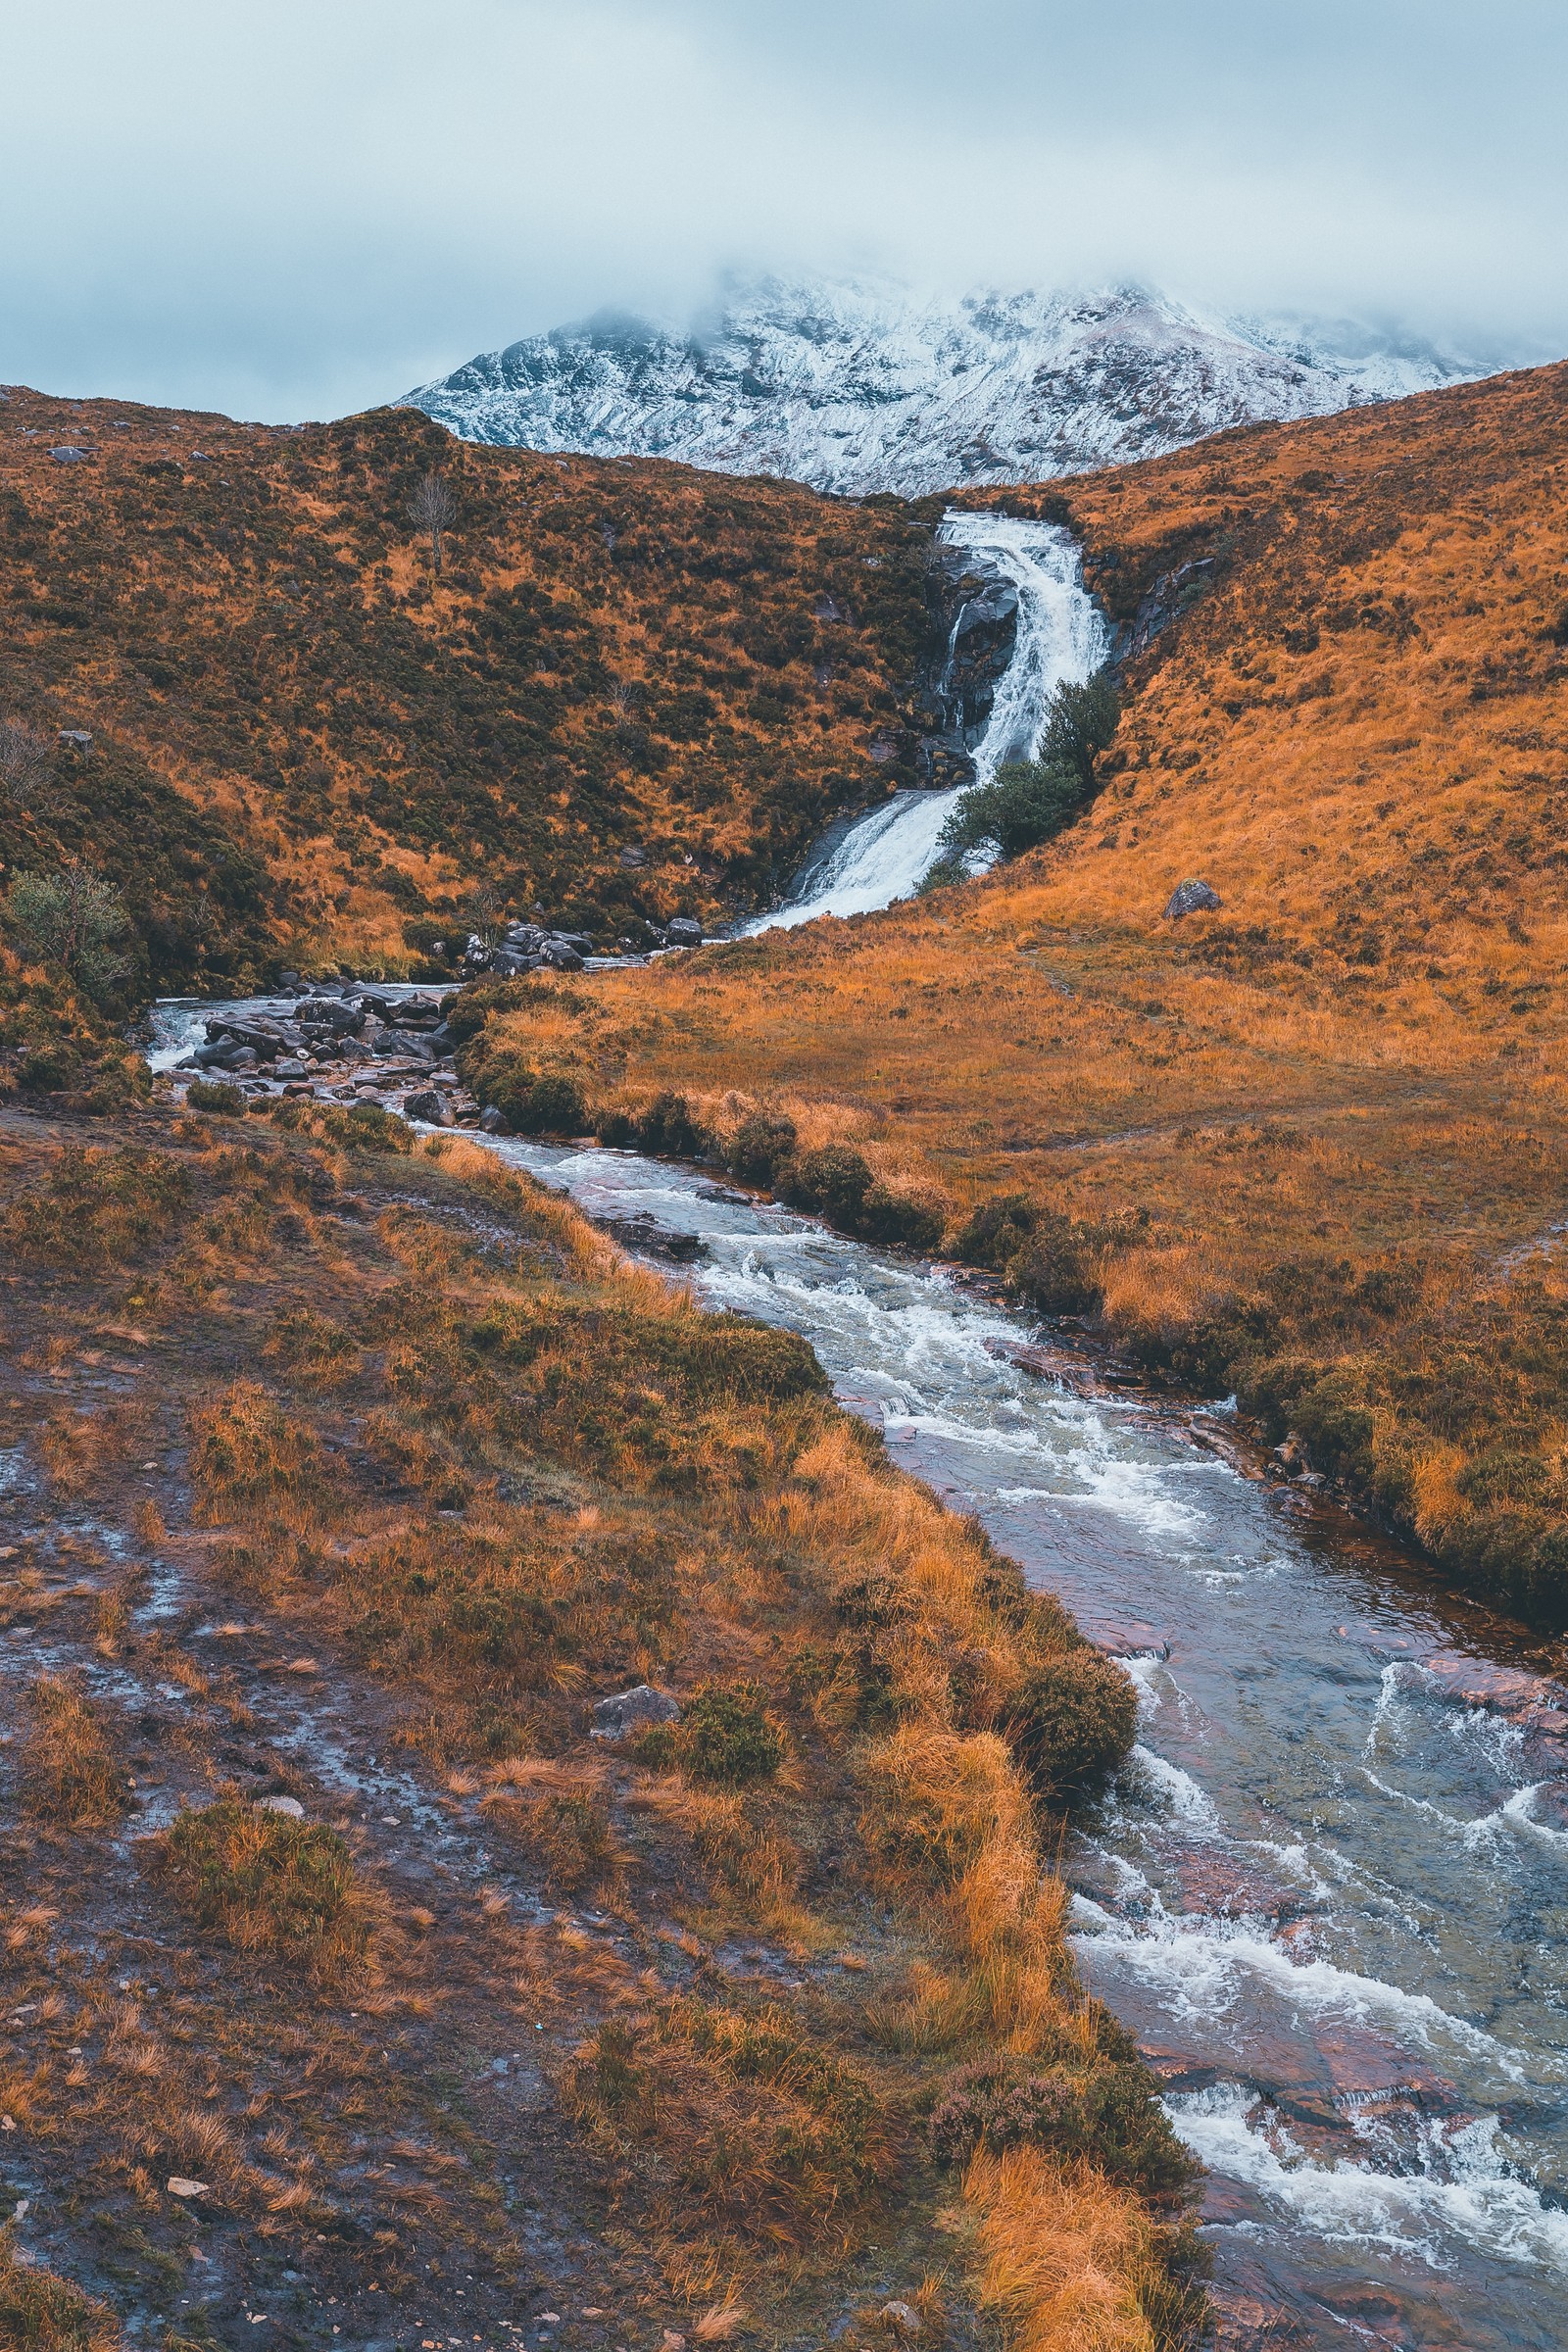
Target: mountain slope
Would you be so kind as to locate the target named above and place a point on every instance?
(1309, 1145)
(855, 389)
(631, 691)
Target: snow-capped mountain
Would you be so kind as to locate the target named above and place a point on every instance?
(854, 387)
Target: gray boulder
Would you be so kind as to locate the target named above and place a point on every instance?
(684, 931)
(632, 1711)
(431, 1105)
(491, 1121)
(1190, 898)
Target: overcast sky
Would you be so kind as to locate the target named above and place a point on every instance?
(295, 208)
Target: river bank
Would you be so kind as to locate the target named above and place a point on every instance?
(365, 1518)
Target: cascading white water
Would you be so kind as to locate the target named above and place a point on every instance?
(1062, 639)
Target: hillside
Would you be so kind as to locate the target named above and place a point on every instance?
(349, 1977)
(631, 691)
(1309, 1145)
(858, 387)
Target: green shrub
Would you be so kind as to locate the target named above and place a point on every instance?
(1106, 2115)
(212, 1094)
(1074, 1720)
(1026, 801)
(76, 921)
(995, 1231)
(726, 1737)
(552, 1106)
(759, 1147)
(1029, 800)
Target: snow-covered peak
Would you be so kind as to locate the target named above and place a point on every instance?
(855, 388)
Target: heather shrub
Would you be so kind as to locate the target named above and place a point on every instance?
(42, 2313)
(1105, 2114)
(759, 1147)
(96, 1209)
(833, 1180)
(1053, 1269)
(1074, 1719)
(212, 1094)
(552, 1106)
(667, 1130)
(741, 2115)
(726, 1737)
(995, 1231)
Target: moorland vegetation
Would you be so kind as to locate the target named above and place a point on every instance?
(1307, 1145)
(244, 682)
(347, 1974)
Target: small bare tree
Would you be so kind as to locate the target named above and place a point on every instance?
(433, 507)
(24, 760)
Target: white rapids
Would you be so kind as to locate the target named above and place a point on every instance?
(1061, 640)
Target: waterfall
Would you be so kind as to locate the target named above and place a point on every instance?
(1060, 639)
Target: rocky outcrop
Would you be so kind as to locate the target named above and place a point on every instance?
(1190, 898)
(972, 610)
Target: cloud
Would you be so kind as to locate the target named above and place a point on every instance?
(298, 209)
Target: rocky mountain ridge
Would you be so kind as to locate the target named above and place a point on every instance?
(857, 388)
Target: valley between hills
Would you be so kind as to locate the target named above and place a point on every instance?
(358, 1985)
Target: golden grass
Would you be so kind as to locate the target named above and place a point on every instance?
(1310, 1147)
(1061, 2253)
(40, 2313)
(462, 1454)
(620, 652)
(69, 1771)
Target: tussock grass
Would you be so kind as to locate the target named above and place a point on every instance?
(40, 2313)
(268, 1882)
(760, 2124)
(70, 1773)
(95, 1207)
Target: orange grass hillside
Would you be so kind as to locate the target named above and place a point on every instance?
(242, 679)
(1309, 1145)
(347, 1972)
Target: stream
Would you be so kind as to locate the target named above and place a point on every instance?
(1329, 1890)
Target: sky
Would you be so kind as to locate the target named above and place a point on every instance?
(290, 209)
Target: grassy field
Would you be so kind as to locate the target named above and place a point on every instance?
(347, 1980)
(1312, 1146)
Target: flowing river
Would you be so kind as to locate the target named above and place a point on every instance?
(1329, 1890)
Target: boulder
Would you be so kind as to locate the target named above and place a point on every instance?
(428, 1106)
(630, 1712)
(288, 1067)
(491, 1121)
(330, 1015)
(560, 958)
(289, 1805)
(1190, 898)
(684, 931)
